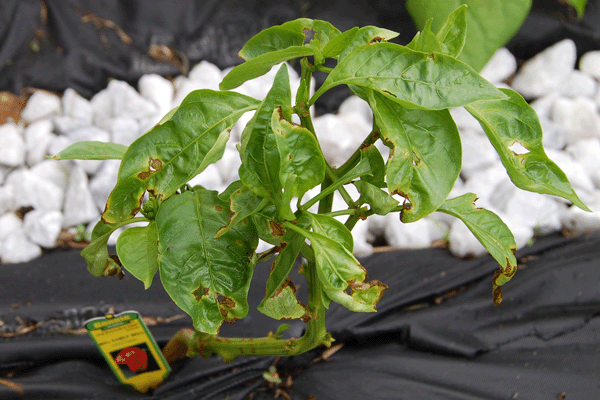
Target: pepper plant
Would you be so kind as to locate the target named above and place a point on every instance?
(203, 243)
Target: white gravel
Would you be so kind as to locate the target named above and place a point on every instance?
(64, 194)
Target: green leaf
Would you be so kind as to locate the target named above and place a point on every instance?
(426, 157)
(208, 278)
(490, 23)
(258, 150)
(275, 38)
(243, 203)
(433, 81)
(283, 264)
(331, 228)
(92, 150)
(372, 154)
(267, 226)
(338, 270)
(491, 231)
(260, 65)
(512, 120)
(283, 304)
(579, 6)
(380, 201)
(302, 165)
(426, 40)
(453, 33)
(169, 155)
(289, 34)
(366, 35)
(339, 43)
(137, 248)
(99, 262)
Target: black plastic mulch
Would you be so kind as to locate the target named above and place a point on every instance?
(436, 334)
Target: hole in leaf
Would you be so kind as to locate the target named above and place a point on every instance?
(309, 34)
(518, 148)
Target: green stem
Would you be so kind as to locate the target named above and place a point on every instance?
(355, 157)
(189, 343)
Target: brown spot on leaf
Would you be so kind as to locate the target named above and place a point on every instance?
(197, 294)
(431, 56)
(218, 209)
(223, 312)
(144, 174)
(227, 302)
(155, 164)
(376, 39)
(277, 230)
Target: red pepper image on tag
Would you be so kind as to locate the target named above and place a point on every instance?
(136, 359)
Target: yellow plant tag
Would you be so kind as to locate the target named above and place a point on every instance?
(129, 349)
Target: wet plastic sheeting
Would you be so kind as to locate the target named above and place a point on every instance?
(436, 334)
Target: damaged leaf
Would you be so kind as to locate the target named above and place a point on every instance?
(171, 154)
(491, 231)
(426, 154)
(207, 277)
(511, 120)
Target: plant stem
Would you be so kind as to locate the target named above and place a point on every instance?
(189, 343)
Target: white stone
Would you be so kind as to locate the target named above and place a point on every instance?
(34, 191)
(63, 124)
(210, 178)
(79, 205)
(102, 106)
(464, 120)
(122, 130)
(547, 70)
(12, 146)
(580, 222)
(43, 227)
(128, 103)
(89, 132)
(414, 235)
(236, 132)
(4, 170)
(589, 63)
(462, 243)
(75, 106)
(40, 105)
(501, 66)
(477, 153)
(203, 76)
(483, 183)
(326, 127)
(104, 182)
(58, 144)
(207, 73)
(578, 84)
(552, 137)
(17, 248)
(229, 164)
(357, 129)
(158, 90)
(355, 104)
(579, 178)
(360, 234)
(38, 137)
(9, 223)
(544, 105)
(521, 232)
(7, 199)
(532, 210)
(52, 171)
(587, 152)
(577, 118)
